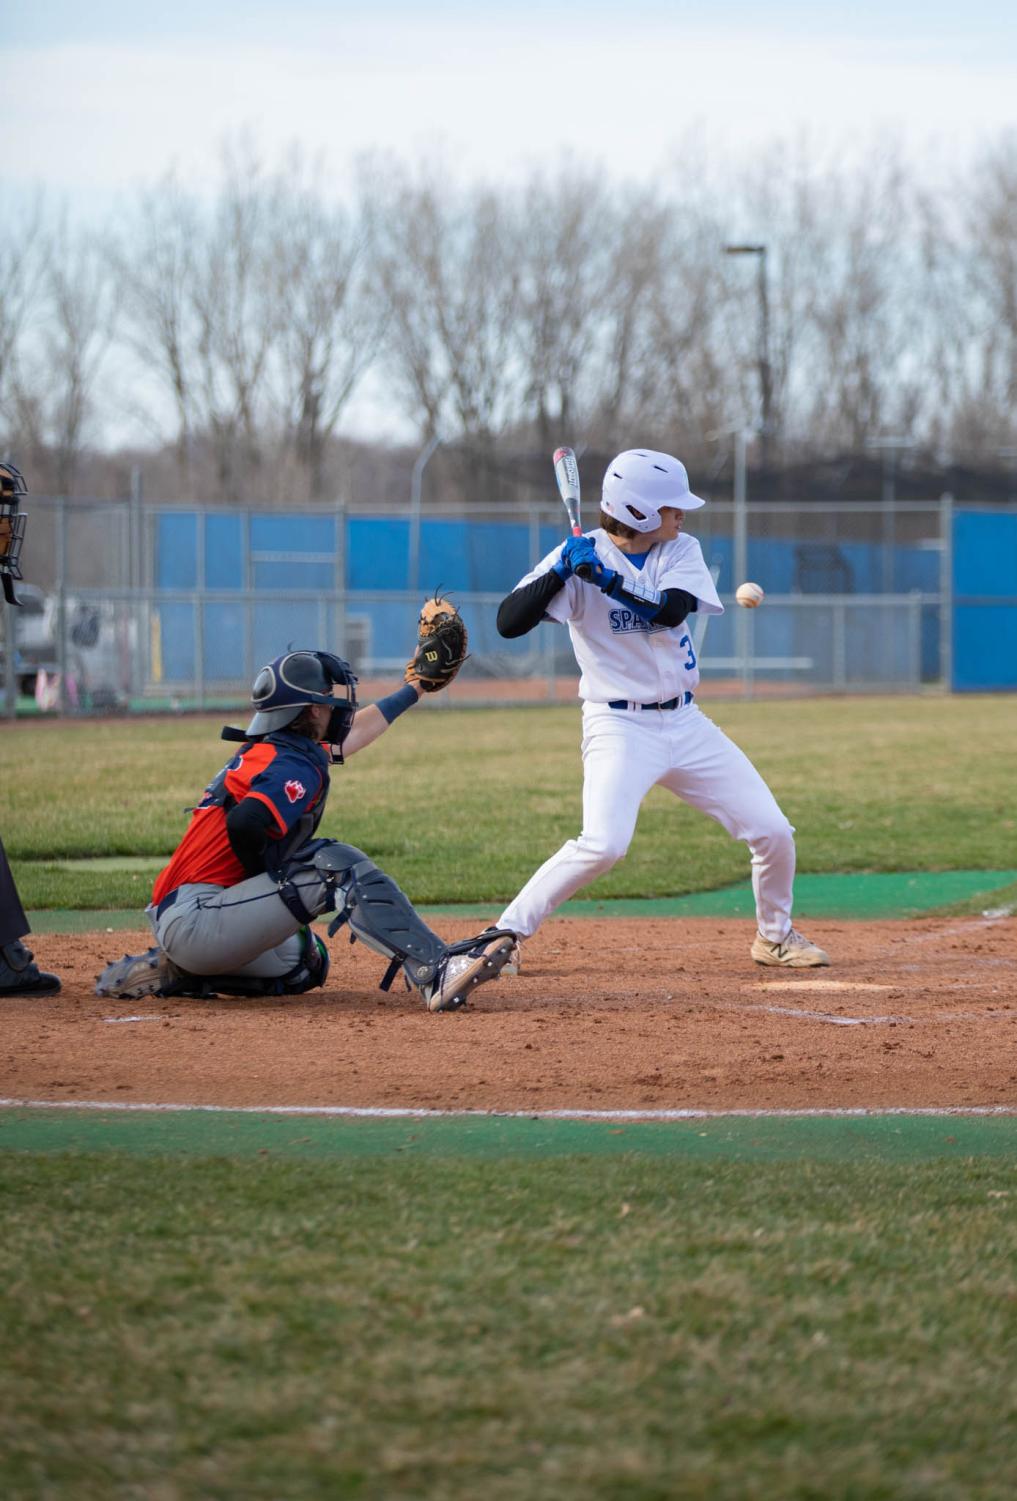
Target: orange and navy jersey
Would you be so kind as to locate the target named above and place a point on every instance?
(287, 772)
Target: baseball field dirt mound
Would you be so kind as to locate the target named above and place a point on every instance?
(607, 1014)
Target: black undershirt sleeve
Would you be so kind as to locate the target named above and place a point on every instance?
(524, 608)
(677, 604)
(247, 827)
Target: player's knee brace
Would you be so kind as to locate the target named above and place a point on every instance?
(383, 918)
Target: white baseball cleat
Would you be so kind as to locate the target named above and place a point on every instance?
(793, 951)
(514, 962)
(462, 973)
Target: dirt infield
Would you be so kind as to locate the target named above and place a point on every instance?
(608, 1013)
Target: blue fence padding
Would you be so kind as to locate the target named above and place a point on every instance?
(985, 553)
(466, 556)
(489, 557)
(291, 532)
(176, 550)
(984, 648)
(984, 635)
(280, 627)
(377, 553)
(176, 635)
(393, 627)
(316, 578)
(773, 562)
(225, 646)
(224, 552)
(471, 556)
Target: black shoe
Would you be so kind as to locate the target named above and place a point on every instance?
(19, 976)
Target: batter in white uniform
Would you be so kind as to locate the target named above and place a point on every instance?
(641, 725)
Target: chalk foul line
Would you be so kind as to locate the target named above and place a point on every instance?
(410, 1112)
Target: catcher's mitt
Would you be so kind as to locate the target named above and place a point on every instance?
(441, 646)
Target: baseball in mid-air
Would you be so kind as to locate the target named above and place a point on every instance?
(749, 595)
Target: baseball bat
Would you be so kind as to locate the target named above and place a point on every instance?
(566, 472)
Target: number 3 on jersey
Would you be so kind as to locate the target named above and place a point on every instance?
(690, 660)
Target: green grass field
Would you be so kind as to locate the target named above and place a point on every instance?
(790, 1311)
(568, 1328)
(461, 806)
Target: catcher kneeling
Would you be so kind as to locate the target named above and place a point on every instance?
(232, 910)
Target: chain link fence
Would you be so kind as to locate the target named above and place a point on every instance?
(134, 608)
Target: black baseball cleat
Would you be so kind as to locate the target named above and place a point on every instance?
(135, 975)
(20, 976)
(462, 973)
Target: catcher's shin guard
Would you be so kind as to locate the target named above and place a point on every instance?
(310, 881)
(383, 918)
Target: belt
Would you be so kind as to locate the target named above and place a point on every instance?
(672, 703)
(167, 902)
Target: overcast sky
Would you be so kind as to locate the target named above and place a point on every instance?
(103, 94)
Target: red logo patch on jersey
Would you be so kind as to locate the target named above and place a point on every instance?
(295, 790)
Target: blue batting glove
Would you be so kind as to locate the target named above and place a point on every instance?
(575, 551)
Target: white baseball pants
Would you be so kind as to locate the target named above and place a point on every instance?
(625, 753)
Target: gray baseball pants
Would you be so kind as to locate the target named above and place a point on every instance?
(236, 930)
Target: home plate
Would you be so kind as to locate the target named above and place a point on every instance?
(851, 985)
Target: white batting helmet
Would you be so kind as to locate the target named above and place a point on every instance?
(639, 481)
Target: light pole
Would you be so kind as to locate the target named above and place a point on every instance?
(743, 630)
(416, 484)
(889, 448)
(763, 358)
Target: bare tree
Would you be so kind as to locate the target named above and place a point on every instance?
(681, 382)
(200, 306)
(78, 336)
(574, 307)
(329, 317)
(863, 359)
(446, 266)
(53, 382)
(236, 318)
(155, 262)
(565, 231)
(24, 260)
(985, 411)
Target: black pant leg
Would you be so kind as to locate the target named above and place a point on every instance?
(13, 922)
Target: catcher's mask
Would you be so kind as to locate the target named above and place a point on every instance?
(284, 688)
(12, 527)
(639, 481)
